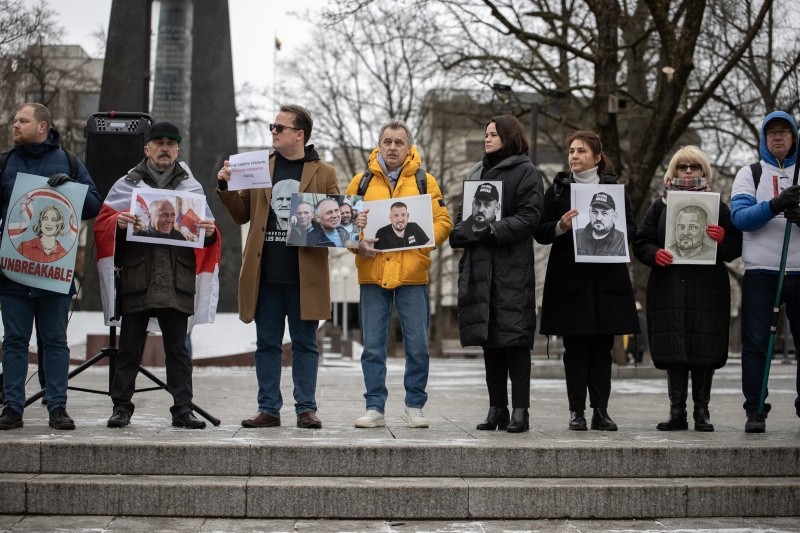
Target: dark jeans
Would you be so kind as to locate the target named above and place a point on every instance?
(587, 364)
(504, 363)
(279, 303)
(133, 332)
(19, 313)
(758, 299)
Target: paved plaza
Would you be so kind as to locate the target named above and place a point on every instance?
(458, 400)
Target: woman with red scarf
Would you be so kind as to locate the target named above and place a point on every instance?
(688, 305)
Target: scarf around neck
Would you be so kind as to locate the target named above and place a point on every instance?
(686, 184)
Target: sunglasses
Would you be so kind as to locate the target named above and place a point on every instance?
(694, 167)
(278, 128)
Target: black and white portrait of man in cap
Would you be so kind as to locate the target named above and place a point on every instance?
(600, 236)
(486, 205)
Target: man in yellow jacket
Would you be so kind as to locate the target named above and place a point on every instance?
(400, 276)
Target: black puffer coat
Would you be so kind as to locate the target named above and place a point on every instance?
(688, 306)
(496, 283)
(582, 298)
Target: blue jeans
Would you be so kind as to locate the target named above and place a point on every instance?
(375, 313)
(18, 315)
(275, 303)
(758, 299)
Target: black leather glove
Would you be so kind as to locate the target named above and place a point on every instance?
(58, 179)
(459, 240)
(486, 238)
(789, 197)
(222, 184)
(792, 214)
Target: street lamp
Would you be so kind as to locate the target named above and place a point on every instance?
(344, 271)
(335, 278)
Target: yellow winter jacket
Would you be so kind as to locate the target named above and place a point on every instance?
(406, 267)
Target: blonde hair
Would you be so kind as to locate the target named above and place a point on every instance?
(688, 154)
(60, 229)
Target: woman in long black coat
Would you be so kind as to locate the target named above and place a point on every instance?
(586, 303)
(688, 306)
(496, 285)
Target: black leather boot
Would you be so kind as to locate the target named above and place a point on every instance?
(577, 421)
(601, 421)
(678, 391)
(676, 421)
(702, 420)
(520, 421)
(701, 394)
(496, 419)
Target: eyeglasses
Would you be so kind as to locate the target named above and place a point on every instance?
(694, 167)
(778, 133)
(280, 127)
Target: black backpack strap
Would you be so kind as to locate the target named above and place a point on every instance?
(73, 165)
(756, 169)
(364, 183)
(422, 181)
(4, 161)
(421, 177)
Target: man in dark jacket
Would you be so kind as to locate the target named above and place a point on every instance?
(156, 280)
(328, 231)
(600, 237)
(37, 151)
(485, 206)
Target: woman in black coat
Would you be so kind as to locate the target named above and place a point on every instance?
(496, 285)
(688, 306)
(586, 303)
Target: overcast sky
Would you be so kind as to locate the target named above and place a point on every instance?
(254, 23)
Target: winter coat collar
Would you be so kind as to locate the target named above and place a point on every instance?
(140, 173)
(38, 150)
(510, 161)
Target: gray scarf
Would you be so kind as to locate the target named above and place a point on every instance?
(162, 178)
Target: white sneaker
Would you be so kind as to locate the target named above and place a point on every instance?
(372, 419)
(414, 417)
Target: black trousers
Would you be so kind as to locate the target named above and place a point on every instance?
(504, 363)
(132, 335)
(587, 364)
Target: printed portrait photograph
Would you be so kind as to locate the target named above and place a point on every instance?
(688, 216)
(43, 226)
(167, 217)
(600, 229)
(481, 205)
(323, 221)
(400, 223)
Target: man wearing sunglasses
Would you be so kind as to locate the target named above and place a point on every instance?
(279, 282)
(763, 201)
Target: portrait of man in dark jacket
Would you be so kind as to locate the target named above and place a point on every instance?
(600, 237)
(485, 209)
(690, 227)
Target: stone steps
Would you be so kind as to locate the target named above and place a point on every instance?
(405, 459)
(392, 497)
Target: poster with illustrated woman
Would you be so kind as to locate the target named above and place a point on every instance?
(40, 233)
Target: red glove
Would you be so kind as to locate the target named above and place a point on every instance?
(716, 232)
(663, 258)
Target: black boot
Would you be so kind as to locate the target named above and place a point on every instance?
(520, 421)
(496, 419)
(601, 420)
(676, 421)
(678, 391)
(577, 421)
(701, 394)
(702, 420)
